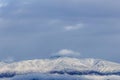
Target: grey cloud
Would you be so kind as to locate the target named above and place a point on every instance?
(34, 28)
(63, 9)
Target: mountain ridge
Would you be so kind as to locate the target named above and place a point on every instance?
(61, 65)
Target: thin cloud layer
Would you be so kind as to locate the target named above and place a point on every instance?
(3, 3)
(67, 52)
(74, 27)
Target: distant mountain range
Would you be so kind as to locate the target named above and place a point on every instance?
(60, 66)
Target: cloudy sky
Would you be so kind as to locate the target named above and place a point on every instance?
(32, 29)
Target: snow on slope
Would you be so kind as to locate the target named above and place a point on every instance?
(60, 65)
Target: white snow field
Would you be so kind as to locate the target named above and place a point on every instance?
(63, 68)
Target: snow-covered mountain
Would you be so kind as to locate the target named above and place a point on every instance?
(60, 66)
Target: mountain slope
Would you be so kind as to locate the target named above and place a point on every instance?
(64, 65)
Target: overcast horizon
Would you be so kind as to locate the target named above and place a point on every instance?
(33, 29)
